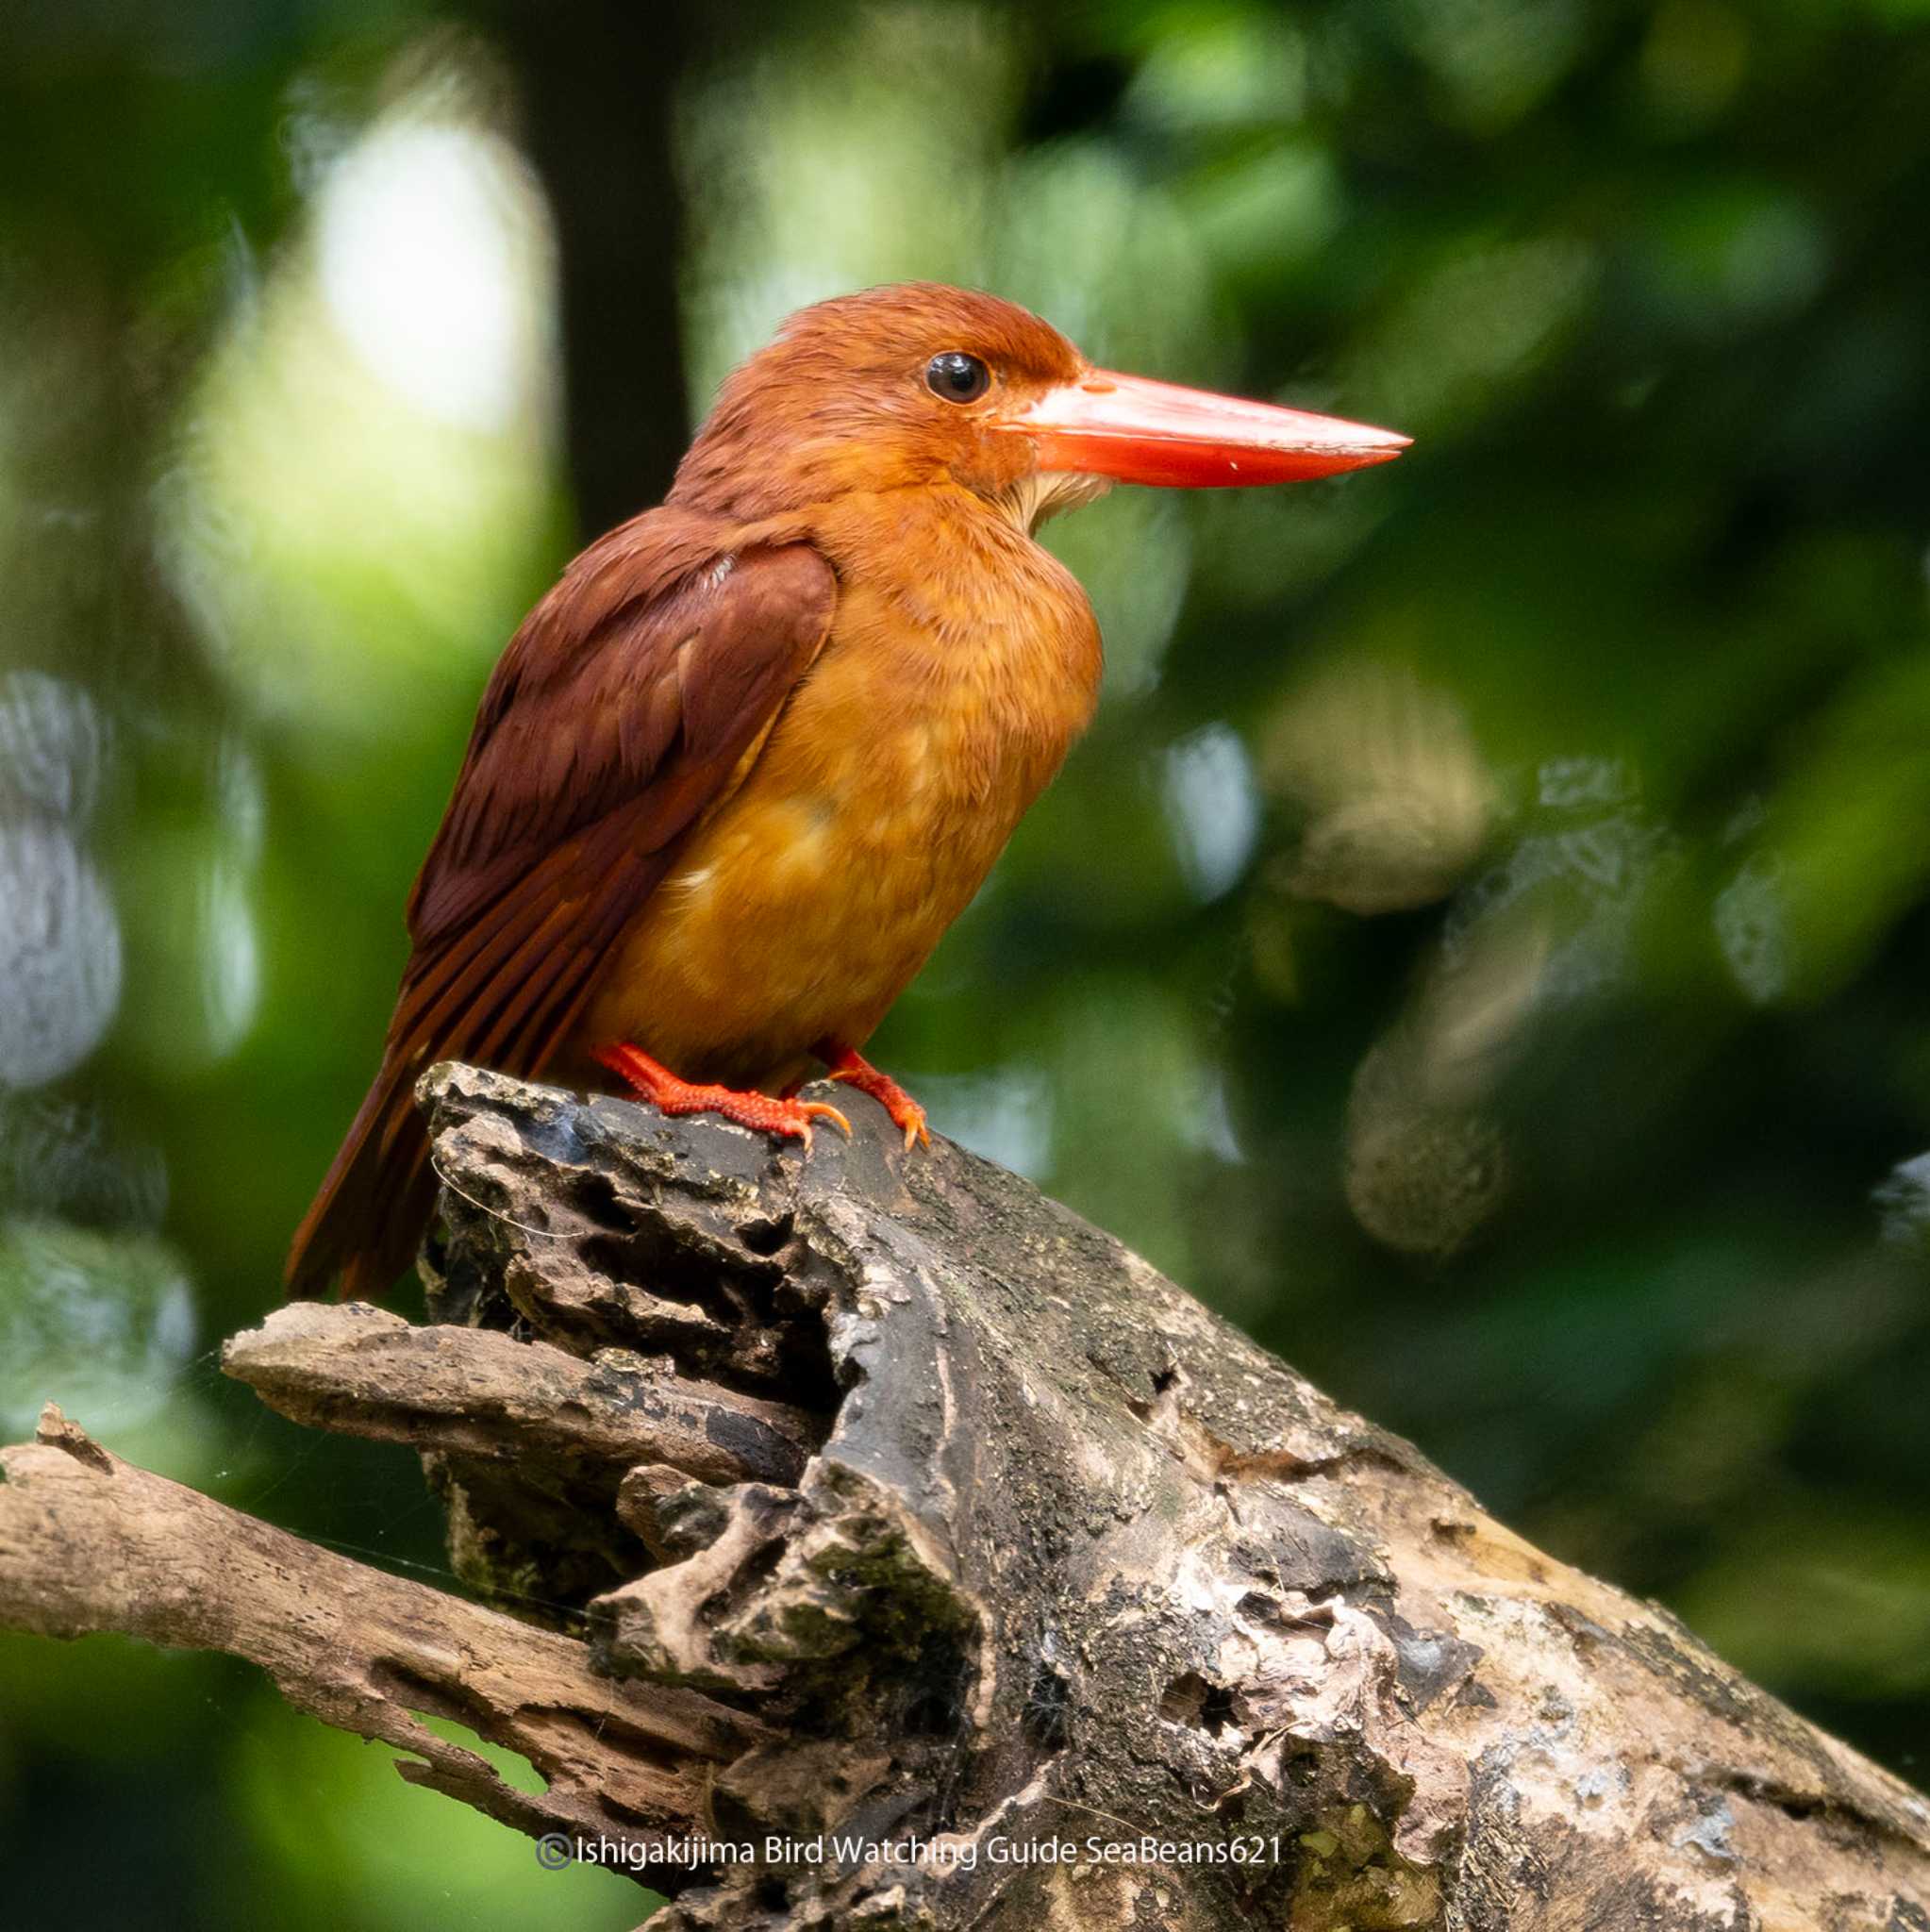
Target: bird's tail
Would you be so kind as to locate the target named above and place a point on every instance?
(368, 1219)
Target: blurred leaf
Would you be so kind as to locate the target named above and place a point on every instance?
(356, 1847)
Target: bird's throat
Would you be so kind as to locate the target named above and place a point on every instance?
(1046, 493)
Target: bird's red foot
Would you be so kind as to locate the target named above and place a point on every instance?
(847, 1064)
(790, 1119)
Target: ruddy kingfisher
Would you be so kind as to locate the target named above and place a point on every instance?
(741, 768)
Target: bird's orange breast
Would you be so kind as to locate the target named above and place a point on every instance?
(962, 662)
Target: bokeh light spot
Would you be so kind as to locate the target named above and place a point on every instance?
(100, 1323)
(418, 252)
(60, 954)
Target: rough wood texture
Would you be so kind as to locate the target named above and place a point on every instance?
(980, 1534)
(89, 1543)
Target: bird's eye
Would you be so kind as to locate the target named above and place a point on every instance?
(957, 376)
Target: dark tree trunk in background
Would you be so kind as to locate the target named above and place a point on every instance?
(599, 81)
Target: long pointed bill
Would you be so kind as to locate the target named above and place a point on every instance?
(1139, 431)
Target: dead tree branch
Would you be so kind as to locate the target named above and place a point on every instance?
(942, 1554)
(89, 1543)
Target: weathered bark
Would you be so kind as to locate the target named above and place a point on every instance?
(89, 1543)
(906, 1506)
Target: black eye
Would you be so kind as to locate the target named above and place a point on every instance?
(957, 376)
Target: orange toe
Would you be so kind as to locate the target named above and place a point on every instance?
(655, 1082)
(847, 1064)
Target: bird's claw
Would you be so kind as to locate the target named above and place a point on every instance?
(816, 1109)
(856, 1071)
(788, 1119)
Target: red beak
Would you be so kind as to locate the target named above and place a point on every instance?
(1138, 431)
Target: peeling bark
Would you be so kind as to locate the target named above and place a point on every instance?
(906, 1506)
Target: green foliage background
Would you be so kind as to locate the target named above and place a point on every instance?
(1482, 946)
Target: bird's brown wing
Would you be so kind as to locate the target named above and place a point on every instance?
(622, 710)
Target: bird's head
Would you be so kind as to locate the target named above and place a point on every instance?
(917, 384)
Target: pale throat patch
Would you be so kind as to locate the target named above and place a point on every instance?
(1044, 493)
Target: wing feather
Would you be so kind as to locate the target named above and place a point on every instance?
(622, 712)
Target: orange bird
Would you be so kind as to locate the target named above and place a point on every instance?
(738, 771)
